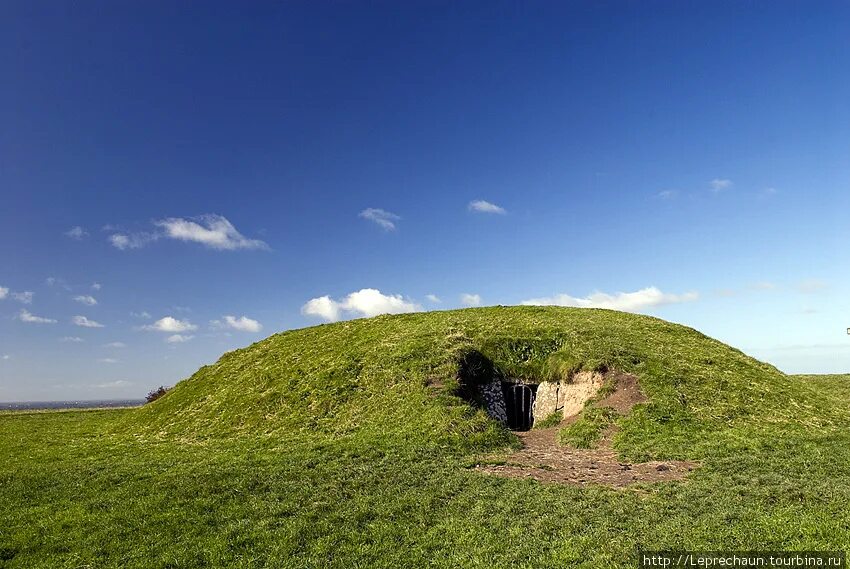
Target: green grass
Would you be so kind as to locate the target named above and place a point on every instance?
(335, 446)
(588, 429)
(552, 420)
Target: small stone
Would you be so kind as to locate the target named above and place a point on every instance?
(662, 467)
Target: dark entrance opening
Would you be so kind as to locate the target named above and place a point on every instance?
(518, 401)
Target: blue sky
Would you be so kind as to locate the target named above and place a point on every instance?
(209, 174)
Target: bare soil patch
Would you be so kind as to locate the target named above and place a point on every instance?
(626, 395)
(541, 458)
(544, 460)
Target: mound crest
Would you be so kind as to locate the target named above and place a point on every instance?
(425, 379)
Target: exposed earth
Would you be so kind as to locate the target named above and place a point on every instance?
(543, 459)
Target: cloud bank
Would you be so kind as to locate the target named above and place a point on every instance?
(637, 301)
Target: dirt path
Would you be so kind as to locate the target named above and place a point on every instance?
(543, 459)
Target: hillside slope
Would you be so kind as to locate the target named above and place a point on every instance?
(394, 377)
(345, 446)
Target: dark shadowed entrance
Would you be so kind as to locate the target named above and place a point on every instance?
(518, 402)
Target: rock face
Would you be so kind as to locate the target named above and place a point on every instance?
(546, 400)
(567, 397)
(575, 394)
(494, 401)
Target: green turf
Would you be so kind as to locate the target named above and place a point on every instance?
(343, 446)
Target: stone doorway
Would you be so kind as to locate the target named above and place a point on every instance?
(519, 403)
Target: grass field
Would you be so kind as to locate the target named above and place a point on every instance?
(342, 446)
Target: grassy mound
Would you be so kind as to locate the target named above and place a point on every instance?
(343, 446)
(394, 378)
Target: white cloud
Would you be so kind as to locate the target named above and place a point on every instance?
(667, 194)
(115, 345)
(178, 338)
(24, 297)
(170, 324)
(470, 299)
(124, 241)
(213, 231)
(242, 324)
(96, 286)
(77, 233)
(86, 299)
(637, 301)
(6, 357)
(323, 307)
(383, 218)
(763, 285)
(719, 184)
(108, 361)
(767, 192)
(143, 314)
(433, 298)
(25, 316)
(4, 292)
(482, 206)
(120, 241)
(74, 339)
(365, 302)
(370, 302)
(84, 322)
